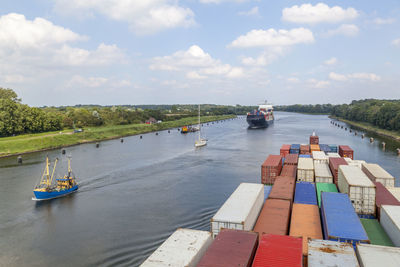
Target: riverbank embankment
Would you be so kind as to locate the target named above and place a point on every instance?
(28, 143)
(371, 128)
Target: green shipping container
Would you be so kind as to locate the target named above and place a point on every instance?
(376, 233)
(324, 187)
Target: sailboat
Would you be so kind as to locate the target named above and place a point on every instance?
(200, 141)
(46, 189)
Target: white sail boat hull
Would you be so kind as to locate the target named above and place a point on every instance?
(200, 141)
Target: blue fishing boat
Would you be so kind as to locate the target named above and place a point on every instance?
(47, 189)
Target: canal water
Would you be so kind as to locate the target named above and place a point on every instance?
(134, 194)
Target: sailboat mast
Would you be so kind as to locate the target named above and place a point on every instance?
(199, 122)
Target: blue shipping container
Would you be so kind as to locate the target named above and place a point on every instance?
(294, 151)
(339, 219)
(295, 146)
(304, 156)
(305, 193)
(267, 190)
(325, 148)
(333, 148)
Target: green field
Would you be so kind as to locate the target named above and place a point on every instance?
(49, 140)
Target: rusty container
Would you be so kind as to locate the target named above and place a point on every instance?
(346, 152)
(273, 218)
(231, 248)
(289, 170)
(306, 223)
(283, 188)
(383, 197)
(284, 150)
(334, 164)
(314, 140)
(291, 159)
(270, 169)
(304, 149)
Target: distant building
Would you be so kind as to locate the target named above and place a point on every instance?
(151, 120)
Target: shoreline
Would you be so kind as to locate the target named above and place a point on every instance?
(370, 128)
(98, 135)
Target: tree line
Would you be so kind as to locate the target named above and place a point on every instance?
(384, 114)
(17, 118)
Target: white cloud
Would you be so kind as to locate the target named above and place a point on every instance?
(344, 29)
(381, 21)
(40, 43)
(293, 80)
(252, 12)
(272, 37)
(396, 42)
(337, 77)
(196, 63)
(144, 17)
(331, 61)
(269, 55)
(78, 81)
(307, 13)
(220, 1)
(318, 83)
(358, 76)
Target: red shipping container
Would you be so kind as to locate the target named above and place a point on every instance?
(304, 149)
(273, 218)
(231, 248)
(283, 188)
(285, 150)
(289, 170)
(279, 251)
(346, 152)
(334, 164)
(383, 197)
(291, 159)
(314, 140)
(270, 169)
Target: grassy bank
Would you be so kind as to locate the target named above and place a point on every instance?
(371, 128)
(50, 140)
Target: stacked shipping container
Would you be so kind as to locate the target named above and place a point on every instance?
(304, 149)
(305, 193)
(270, 169)
(285, 150)
(230, 248)
(295, 149)
(325, 253)
(346, 152)
(383, 197)
(291, 159)
(319, 157)
(240, 210)
(305, 170)
(322, 173)
(334, 164)
(314, 140)
(339, 220)
(289, 170)
(314, 148)
(283, 189)
(376, 234)
(372, 255)
(390, 221)
(361, 190)
(278, 251)
(377, 174)
(324, 187)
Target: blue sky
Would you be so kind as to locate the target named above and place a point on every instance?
(67, 52)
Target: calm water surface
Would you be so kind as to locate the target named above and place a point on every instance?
(133, 195)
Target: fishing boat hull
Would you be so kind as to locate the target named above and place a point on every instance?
(53, 194)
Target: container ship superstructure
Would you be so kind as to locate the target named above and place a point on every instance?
(261, 117)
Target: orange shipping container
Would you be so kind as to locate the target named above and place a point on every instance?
(273, 218)
(283, 188)
(314, 148)
(305, 223)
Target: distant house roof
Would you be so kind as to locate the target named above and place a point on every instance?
(151, 120)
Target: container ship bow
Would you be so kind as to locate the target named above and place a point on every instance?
(262, 117)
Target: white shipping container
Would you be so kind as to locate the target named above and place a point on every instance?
(240, 211)
(390, 221)
(305, 170)
(326, 253)
(357, 163)
(373, 255)
(377, 174)
(323, 173)
(361, 191)
(395, 192)
(333, 155)
(185, 247)
(320, 157)
(348, 160)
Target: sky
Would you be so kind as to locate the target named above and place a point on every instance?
(112, 52)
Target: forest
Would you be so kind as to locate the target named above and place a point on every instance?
(17, 118)
(384, 114)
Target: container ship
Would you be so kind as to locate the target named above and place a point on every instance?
(316, 206)
(261, 117)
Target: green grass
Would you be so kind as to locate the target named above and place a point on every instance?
(49, 140)
(372, 128)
